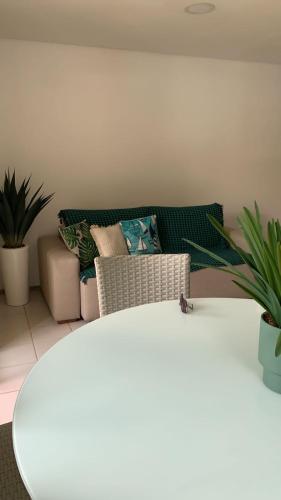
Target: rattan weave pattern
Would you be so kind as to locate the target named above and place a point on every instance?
(11, 485)
(130, 280)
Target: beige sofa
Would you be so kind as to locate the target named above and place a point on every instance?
(69, 299)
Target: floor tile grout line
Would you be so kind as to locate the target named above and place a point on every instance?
(16, 345)
(20, 344)
(30, 331)
(9, 392)
(31, 339)
(18, 364)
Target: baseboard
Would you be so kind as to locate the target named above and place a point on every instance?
(62, 322)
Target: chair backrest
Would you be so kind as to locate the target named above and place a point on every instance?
(131, 280)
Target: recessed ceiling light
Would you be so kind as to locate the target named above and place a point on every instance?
(200, 8)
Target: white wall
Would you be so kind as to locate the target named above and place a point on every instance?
(105, 128)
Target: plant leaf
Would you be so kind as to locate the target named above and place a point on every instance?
(263, 260)
(15, 217)
(278, 346)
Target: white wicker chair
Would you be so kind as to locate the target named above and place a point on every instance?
(130, 280)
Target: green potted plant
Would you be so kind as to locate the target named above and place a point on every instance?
(264, 286)
(16, 216)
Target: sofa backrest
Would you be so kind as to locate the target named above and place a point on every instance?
(174, 223)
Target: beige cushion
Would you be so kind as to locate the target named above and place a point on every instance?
(109, 240)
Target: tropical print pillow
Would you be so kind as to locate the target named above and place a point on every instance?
(141, 235)
(79, 241)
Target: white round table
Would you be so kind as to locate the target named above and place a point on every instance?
(152, 404)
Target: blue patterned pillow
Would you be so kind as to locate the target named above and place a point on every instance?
(141, 235)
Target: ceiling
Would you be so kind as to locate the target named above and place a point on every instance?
(248, 30)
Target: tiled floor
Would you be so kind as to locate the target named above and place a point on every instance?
(25, 334)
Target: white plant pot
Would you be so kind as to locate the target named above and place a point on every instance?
(14, 268)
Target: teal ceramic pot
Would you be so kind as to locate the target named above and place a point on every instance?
(271, 365)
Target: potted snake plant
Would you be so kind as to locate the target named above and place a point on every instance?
(16, 217)
(264, 286)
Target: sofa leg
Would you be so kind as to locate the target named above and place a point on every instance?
(68, 321)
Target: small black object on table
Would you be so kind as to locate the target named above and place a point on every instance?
(184, 305)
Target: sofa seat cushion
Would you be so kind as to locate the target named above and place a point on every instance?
(226, 253)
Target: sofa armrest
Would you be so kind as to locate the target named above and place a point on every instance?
(238, 238)
(59, 278)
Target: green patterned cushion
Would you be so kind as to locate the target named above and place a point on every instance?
(78, 240)
(141, 235)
